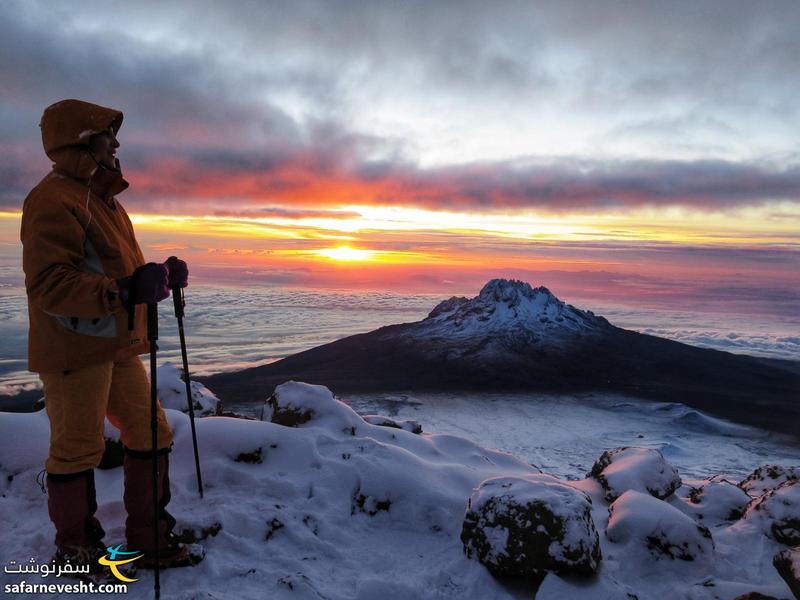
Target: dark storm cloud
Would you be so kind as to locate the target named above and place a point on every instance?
(201, 85)
(593, 184)
(584, 185)
(595, 53)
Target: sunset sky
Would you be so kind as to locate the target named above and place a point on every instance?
(614, 151)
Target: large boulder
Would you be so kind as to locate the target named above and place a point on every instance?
(638, 469)
(778, 512)
(526, 526)
(787, 563)
(767, 478)
(640, 518)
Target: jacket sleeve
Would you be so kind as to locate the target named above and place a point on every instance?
(52, 254)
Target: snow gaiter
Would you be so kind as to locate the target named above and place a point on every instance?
(138, 499)
(71, 503)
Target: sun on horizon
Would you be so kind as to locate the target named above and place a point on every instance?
(346, 253)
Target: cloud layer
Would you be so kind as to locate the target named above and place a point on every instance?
(230, 328)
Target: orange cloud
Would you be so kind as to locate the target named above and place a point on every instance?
(306, 179)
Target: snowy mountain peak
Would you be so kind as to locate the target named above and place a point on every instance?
(515, 306)
(512, 291)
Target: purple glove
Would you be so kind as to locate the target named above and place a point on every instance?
(178, 272)
(147, 285)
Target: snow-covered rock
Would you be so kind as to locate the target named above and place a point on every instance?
(664, 530)
(787, 563)
(712, 500)
(767, 478)
(339, 508)
(632, 468)
(296, 404)
(524, 526)
(778, 512)
(407, 424)
(172, 392)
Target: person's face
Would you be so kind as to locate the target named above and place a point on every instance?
(103, 147)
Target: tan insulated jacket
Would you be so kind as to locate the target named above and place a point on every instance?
(77, 240)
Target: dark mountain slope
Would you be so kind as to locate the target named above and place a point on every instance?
(514, 337)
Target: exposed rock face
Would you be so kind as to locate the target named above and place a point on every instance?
(632, 468)
(525, 526)
(407, 424)
(787, 563)
(511, 306)
(778, 512)
(287, 415)
(293, 403)
(297, 404)
(767, 478)
(663, 529)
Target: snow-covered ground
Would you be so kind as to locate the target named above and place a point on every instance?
(564, 435)
(339, 508)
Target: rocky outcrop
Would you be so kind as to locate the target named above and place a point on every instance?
(787, 564)
(285, 414)
(663, 529)
(632, 468)
(293, 403)
(526, 526)
(767, 478)
(715, 499)
(778, 512)
(406, 424)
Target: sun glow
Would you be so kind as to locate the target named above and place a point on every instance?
(346, 253)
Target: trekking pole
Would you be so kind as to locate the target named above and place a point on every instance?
(152, 336)
(180, 304)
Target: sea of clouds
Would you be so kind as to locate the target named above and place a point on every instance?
(231, 328)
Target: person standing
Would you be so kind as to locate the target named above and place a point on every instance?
(84, 274)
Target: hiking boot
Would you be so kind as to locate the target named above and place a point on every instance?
(71, 504)
(140, 524)
(172, 556)
(82, 562)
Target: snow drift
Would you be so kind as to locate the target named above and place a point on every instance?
(340, 508)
